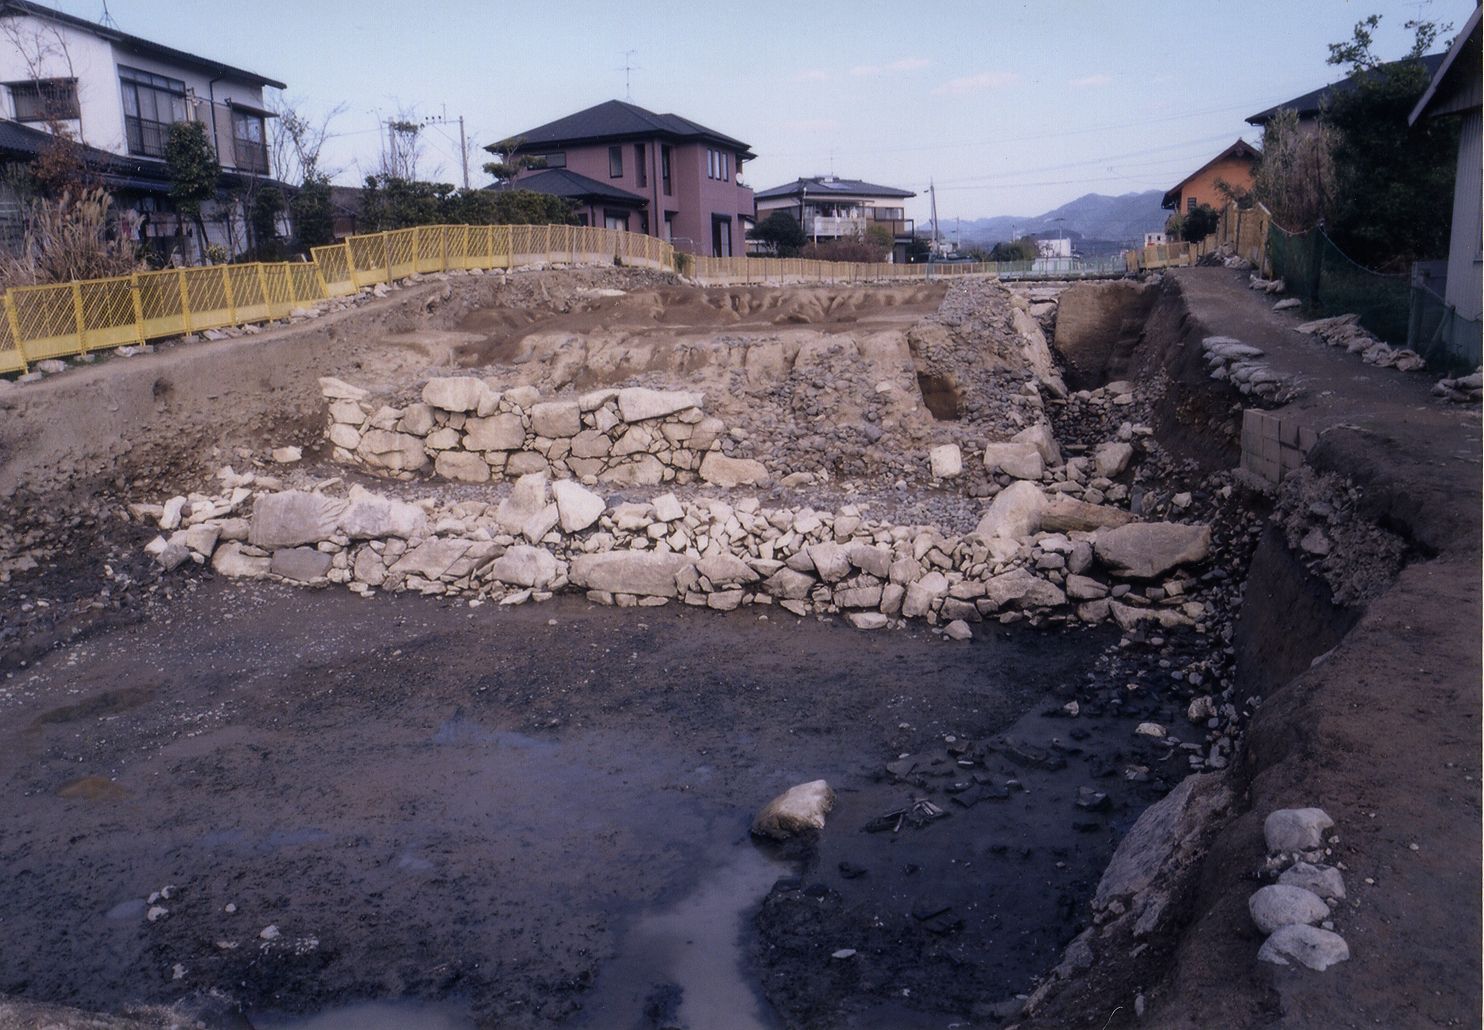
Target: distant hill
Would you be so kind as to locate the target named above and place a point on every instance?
(1094, 216)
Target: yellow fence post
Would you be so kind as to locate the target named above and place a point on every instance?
(230, 294)
(263, 289)
(138, 306)
(82, 326)
(185, 301)
(386, 256)
(15, 331)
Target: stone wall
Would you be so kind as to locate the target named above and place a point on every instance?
(1274, 445)
(465, 429)
(1033, 555)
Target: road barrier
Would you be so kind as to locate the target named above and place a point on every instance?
(68, 319)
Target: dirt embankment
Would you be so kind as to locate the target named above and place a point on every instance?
(1366, 703)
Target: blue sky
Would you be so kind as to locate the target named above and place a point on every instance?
(1011, 108)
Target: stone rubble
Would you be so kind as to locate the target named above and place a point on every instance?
(1306, 892)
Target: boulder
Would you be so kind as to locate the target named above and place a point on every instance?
(302, 564)
(1309, 946)
(719, 470)
(400, 452)
(1021, 460)
(831, 561)
(230, 561)
(527, 498)
(526, 566)
(368, 516)
(1111, 458)
(1323, 880)
(497, 433)
(1296, 829)
(462, 466)
(431, 558)
(946, 461)
(1020, 589)
(1015, 512)
(577, 506)
(867, 620)
(636, 404)
(556, 419)
(339, 390)
(648, 573)
(591, 444)
(293, 517)
(799, 809)
(1282, 904)
(921, 594)
(647, 471)
(1040, 437)
(1063, 514)
(788, 585)
(724, 569)
(1146, 550)
(453, 393)
(417, 419)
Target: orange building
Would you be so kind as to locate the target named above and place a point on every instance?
(1233, 166)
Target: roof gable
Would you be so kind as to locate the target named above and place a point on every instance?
(1459, 70)
(136, 44)
(829, 185)
(1240, 150)
(1309, 104)
(617, 119)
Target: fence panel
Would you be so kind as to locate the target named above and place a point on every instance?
(368, 261)
(427, 248)
(333, 263)
(245, 294)
(108, 315)
(11, 357)
(46, 321)
(305, 283)
(207, 306)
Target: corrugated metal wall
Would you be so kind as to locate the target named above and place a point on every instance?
(1464, 269)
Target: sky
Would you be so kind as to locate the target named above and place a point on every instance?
(1009, 108)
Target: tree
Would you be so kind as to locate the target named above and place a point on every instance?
(297, 139)
(194, 172)
(919, 249)
(1199, 224)
(509, 161)
(1296, 175)
(314, 219)
(262, 218)
(1388, 176)
(1023, 249)
(393, 203)
(781, 233)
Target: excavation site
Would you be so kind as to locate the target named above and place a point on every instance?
(588, 647)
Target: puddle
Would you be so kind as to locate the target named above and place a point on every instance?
(376, 1015)
(683, 965)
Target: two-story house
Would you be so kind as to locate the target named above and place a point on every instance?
(118, 95)
(831, 208)
(1232, 169)
(639, 171)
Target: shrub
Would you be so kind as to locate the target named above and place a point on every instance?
(69, 238)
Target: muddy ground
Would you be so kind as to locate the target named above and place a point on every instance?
(430, 801)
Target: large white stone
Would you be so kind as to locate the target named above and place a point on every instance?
(1063, 514)
(497, 433)
(462, 466)
(724, 569)
(1040, 437)
(635, 403)
(293, 517)
(230, 561)
(368, 516)
(1015, 512)
(400, 452)
(1309, 946)
(1111, 458)
(719, 470)
(577, 506)
(1282, 904)
(1021, 460)
(453, 393)
(648, 573)
(527, 498)
(1146, 550)
(796, 810)
(526, 566)
(556, 419)
(1020, 589)
(921, 593)
(1296, 829)
(431, 558)
(946, 461)
(339, 390)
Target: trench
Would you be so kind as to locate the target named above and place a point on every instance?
(444, 815)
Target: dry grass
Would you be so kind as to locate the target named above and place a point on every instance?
(68, 238)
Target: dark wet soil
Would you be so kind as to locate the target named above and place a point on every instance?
(541, 812)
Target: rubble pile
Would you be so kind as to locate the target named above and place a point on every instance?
(1049, 558)
(464, 429)
(1236, 362)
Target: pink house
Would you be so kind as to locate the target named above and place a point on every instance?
(632, 169)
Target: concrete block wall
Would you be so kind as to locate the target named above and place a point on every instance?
(1273, 445)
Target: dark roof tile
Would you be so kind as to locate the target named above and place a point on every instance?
(616, 119)
(825, 185)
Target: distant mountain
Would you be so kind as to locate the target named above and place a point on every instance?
(1094, 216)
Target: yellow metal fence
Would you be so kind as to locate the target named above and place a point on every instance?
(67, 319)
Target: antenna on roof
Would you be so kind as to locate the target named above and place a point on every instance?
(628, 69)
(107, 19)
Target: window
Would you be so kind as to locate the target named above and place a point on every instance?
(152, 103)
(710, 163)
(726, 166)
(43, 100)
(665, 169)
(616, 220)
(718, 165)
(641, 173)
(615, 162)
(721, 236)
(249, 146)
(1190, 204)
(553, 160)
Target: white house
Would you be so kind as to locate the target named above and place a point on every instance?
(118, 95)
(830, 208)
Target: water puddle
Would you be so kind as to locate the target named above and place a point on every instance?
(376, 1015)
(683, 965)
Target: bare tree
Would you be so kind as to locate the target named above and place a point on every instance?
(402, 147)
(298, 138)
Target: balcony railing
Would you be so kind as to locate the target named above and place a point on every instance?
(832, 227)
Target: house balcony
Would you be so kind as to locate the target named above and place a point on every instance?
(828, 227)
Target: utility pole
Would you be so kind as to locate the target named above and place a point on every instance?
(933, 200)
(463, 140)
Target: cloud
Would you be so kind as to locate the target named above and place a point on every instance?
(976, 83)
(1091, 81)
(812, 75)
(901, 64)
